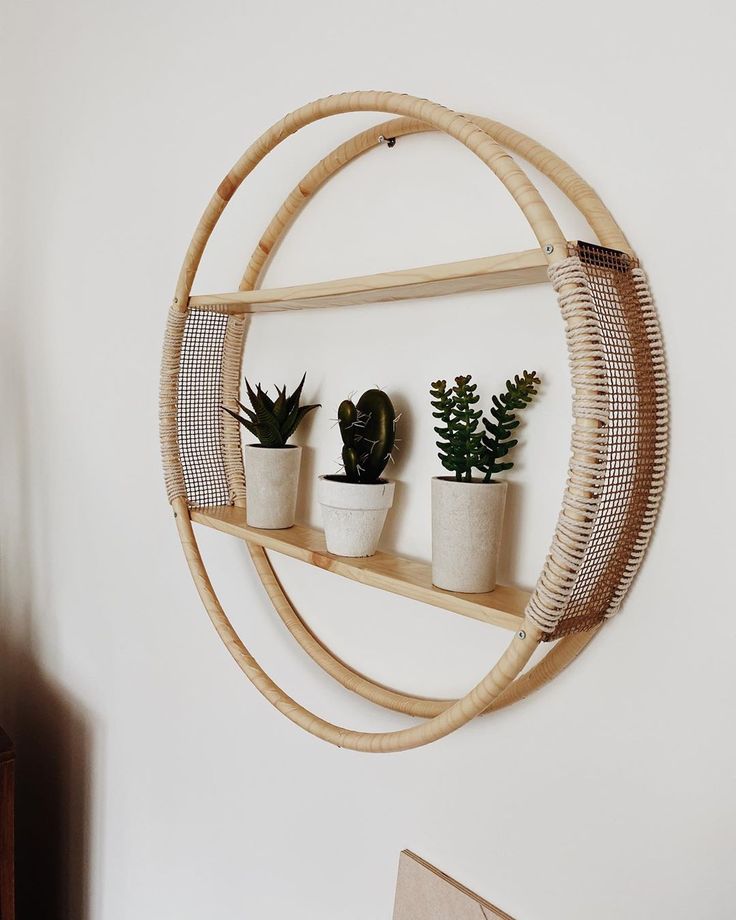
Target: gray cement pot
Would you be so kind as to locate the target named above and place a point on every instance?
(354, 514)
(467, 520)
(272, 483)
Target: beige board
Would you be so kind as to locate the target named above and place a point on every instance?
(424, 892)
(513, 269)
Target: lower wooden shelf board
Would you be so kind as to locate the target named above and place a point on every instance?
(503, 607)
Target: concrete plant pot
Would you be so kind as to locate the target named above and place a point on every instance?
(272, 484)
(354, 514)
(467, 520)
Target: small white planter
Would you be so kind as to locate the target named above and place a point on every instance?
(467, 520)
(272, 484)
(354, 514)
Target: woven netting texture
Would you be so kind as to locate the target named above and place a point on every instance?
(200, 373)
(619, 445)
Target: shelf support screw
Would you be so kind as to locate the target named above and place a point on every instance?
(522, 634)
(549, 249)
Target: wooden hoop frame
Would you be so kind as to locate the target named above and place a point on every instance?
(584, 197)
(443, 716)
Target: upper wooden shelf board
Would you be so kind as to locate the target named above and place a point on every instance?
(491, 273)
(503, 607)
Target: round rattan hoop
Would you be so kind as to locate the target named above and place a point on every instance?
(582, 501)
(601, 221)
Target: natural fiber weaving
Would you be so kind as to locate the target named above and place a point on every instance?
(201, 372)
(619, 440)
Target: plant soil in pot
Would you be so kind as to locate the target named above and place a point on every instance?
(272, 466)
(355, 505)
(467, 511)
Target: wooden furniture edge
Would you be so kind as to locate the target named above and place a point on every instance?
(463, 889)
(7, 827)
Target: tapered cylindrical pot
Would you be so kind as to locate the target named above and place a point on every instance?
(467, 520)
(272, 485)
(354, 514)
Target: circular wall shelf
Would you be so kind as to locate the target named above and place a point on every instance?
(619, 438)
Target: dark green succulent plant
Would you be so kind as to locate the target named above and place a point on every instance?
(272, 421)
(464, 447)
(368, 432)
(497, 440)
(460, 441)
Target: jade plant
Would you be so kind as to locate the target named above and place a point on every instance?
(368, 431)
(464, 445)
(272, 421)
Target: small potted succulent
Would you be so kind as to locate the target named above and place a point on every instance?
(355, 503)
(272, 465)
(467, 510)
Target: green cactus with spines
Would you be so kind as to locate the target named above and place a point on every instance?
(272, 421)
(368, 431)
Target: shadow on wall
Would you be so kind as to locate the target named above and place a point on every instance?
(49, 729)
(52, 742)
(511, 542)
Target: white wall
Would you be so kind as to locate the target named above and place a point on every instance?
(154, 781)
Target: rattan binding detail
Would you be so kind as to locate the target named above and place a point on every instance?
(168, 400)
(232, 453)
(619, 444)
(200, 373)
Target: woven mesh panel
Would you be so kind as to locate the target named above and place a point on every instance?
(199, 416)
(633, 444)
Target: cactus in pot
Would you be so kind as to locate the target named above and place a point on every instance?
(368, 432)
(355, 504)
(272, 465)
(467, 511)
